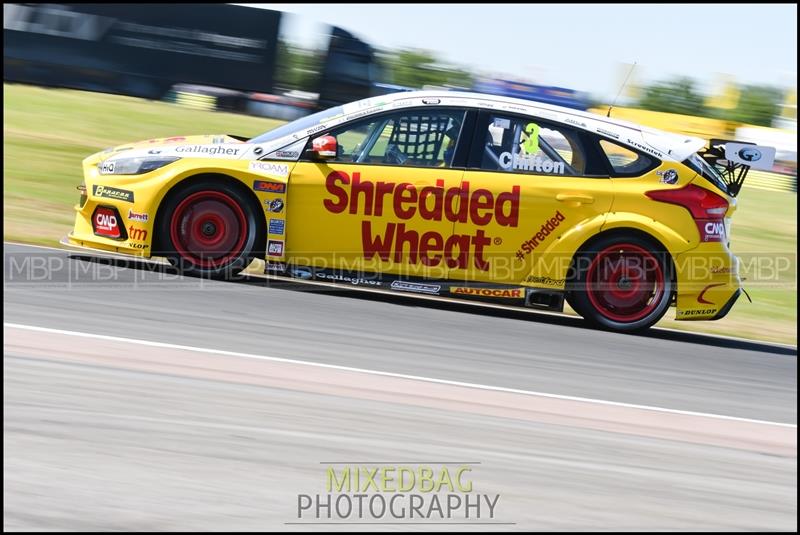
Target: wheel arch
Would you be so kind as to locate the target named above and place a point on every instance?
(225, 180)
(657, 244)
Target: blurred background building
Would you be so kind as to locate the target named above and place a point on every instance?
(255, 61)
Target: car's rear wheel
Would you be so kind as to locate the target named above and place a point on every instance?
(623, 283)
(209, 230)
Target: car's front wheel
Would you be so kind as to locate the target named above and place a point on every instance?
(209, 230)
(623, 283)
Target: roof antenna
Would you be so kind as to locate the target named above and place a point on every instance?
(620, 89)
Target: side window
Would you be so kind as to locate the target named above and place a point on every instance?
(351, 141)
(624, 161)
(525, 145)
(423, 137)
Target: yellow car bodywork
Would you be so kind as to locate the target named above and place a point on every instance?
(524, 233)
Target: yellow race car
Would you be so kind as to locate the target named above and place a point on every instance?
(442, 193)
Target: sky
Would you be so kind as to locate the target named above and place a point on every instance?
(586, 47)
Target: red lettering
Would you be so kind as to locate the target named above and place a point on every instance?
(512, 219)
(367, 188)
(425, 246)
(405, 193)
(383, 189)
(481, 199)
(456, 204)
(411, 237)
(338, 191)
(460, 194)
(373, 246)
(479, 241)
(437, 193)
(460, 261)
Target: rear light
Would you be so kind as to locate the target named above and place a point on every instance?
(701, 203)
(707, 209)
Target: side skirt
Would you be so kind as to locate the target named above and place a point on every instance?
(545, 299)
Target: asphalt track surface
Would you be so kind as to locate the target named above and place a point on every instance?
(573, 428)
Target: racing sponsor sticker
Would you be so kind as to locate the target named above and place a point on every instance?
(275, 206)
(355, 281)
(406, 202)
(275, 267)
(645, 148)
(575, 122)
(275, 247)
(527, 162)
(301, 273)
(416, 287)
(138, 234)
(113, 193)
(711, 231)
(506, 293)
(670, 176)
(608, 133)
(205, 150)
(107, 168)
(531, 144)
(106, 224)
(696, 312)
(138, 216)
(499, 122)
(268, 168)
(288, 152)
(276, 226)
(315, 129)
(549, 226)
(546, 281)
(271, 187)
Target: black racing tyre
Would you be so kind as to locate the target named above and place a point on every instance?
(210, 230)
(622, 283)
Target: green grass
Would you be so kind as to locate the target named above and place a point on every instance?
(764, 236)
(47, 132)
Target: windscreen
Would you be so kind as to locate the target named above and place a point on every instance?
(298, 125)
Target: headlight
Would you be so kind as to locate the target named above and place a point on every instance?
(134, 166)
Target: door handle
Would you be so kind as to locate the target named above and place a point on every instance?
(575, 198)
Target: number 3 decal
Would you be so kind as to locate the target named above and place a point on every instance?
(531, 145)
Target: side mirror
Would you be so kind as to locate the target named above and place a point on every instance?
(324, 148)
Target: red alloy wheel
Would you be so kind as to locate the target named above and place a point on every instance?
(625, 282)
(208, 228)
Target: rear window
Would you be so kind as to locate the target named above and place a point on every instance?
(625, 161)
(697, 164)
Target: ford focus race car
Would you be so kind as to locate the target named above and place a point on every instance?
(441, 193)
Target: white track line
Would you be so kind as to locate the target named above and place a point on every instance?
(418, 296)
(387, 374)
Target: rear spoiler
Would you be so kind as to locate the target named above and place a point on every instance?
(733, 159)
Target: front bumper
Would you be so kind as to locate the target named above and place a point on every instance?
(131, 198)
